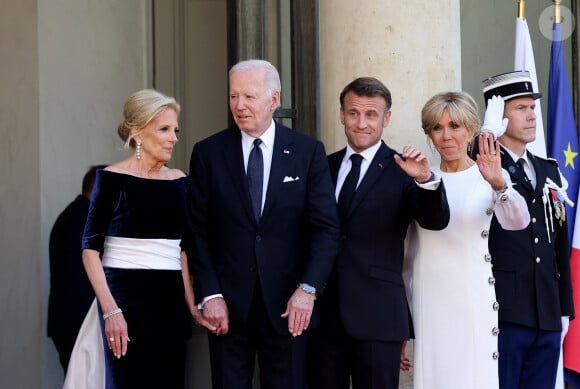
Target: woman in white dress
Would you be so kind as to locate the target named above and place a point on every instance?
(451, 285)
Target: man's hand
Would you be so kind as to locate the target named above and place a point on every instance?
(299, 311)
(405, 362)
(200, 320)
(414, 163)
(216, 313)
(494, 121)
(565, 326)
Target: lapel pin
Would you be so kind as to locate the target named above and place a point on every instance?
(380, 165)
(286, 152)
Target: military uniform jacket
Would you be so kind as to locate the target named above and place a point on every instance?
(532, 266)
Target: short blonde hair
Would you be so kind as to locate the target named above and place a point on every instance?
(461, 107)
(139, 109)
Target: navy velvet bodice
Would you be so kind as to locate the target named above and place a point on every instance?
(127, 206)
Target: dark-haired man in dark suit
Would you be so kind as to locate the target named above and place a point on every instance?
(365, 314)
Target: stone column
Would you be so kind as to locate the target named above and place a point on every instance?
(413, 47)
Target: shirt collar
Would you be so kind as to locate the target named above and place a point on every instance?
(267, 137)
(367, 154)
(515, 157)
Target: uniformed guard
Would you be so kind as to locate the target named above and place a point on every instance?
(531, 266)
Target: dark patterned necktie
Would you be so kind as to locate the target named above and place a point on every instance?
(349, 187)
(255, 174)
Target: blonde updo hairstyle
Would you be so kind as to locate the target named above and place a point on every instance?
(461, 107)
(139, 109)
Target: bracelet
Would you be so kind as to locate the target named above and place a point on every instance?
(501, 191)
(113, 312)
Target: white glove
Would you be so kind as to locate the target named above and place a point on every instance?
(494, 121)
(565, 325)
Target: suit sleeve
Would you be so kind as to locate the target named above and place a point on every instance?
(201, 266)
(431, 207)
(323, 221)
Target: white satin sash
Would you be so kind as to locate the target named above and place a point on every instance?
(131, 253)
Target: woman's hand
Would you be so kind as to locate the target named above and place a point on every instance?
(489, 161)
(117, 334)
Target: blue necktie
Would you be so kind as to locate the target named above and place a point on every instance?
(349, 187)
(255, 174)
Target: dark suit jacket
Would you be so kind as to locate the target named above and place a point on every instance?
(369, 293)
(71, 293)
(295, 241)
(532, 272)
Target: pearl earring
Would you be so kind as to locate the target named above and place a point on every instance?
(138, 150)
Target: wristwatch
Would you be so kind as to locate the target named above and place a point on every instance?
(307, 288)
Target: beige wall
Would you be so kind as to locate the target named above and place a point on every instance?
(412, 47)
(67, 66)
(91, 56)
(20, 310)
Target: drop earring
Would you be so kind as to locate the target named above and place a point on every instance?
(138, 150)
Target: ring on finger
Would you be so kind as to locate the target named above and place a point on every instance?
(111, 339)
(493, 152)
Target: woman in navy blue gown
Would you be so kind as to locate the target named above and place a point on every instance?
(132, 251)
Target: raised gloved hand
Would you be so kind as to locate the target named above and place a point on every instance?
(494, 121)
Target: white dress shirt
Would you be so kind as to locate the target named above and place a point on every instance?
(528, 166)
(267, 147)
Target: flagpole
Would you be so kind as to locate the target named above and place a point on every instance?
(557, 16)
(524, 60)
(521, 8)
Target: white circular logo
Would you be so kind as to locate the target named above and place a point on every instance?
(546, 21)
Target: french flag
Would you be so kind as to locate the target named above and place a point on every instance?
(572, 339)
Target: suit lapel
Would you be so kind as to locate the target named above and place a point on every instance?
(516, 174)
(540, 174)
(234, 160)
(282, 156)
(334, 163)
